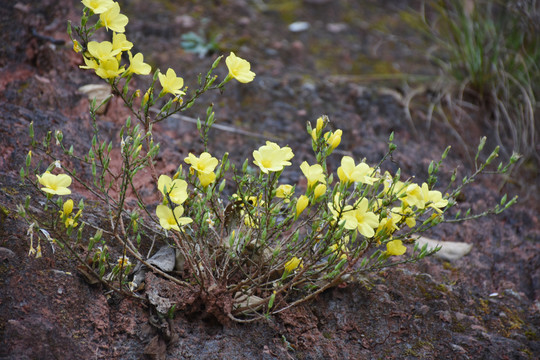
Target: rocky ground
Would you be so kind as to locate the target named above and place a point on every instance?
(485, 305)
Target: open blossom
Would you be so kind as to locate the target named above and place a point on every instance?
(102, 50)
(177, 189)
(55, 184)
(361, 219)
(123, 261)
(90, 64)
(313, 173)
(271, 157)
(109, 69)
(433, 198)
(113, 20)
(98, 6)
(137, 64)
(414, 196)
(206, 163)
(284, 191)
(397, 187)
(169, 219)
(349, 172)
(239, 69)
(293, 264)
(395, 248)
(206, 178)
(389, 223)
(120, 42)
(171, 83)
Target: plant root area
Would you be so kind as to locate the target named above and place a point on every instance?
(485, 305)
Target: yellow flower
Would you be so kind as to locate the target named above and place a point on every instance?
(90, 64)
(70, 222)
(433, 198)
(76, 46)
(340, 247)
(319, 190)
(397, 189)
(361, 218)
(120, 42)
(315, 133)
(313, 173)
(171, 83)
(349, 172)
(102, 51)
(137, 64)
(271, 157)
(168, 218)
(389, 223)
(333, 139)
(395, 248)
(123, 261)
(67, 208)
(336, 208)
(98, 6)
(284, 191)
(55, 184)
(206, 178)
(109, 69)
(177, 189)
(112, 19)
(301, 204)
(293, 264)
(406, 212)
(239, 69)
(145, 98)
(206, 163)
(414, 196)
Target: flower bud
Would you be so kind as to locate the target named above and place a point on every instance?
(301, 204)
(319, 190)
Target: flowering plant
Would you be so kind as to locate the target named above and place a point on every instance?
(264, 249)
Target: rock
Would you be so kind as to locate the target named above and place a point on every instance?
(444, 316)
(450, 250)
(99, 92)
(164, 259)
(6, 254)
(299, 26)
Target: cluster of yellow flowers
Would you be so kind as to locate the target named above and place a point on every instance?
(105, 57)
(175, 191)
(367, 217)
(363, 215)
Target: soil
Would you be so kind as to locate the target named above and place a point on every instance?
(485, 305)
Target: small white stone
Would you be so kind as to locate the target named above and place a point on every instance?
(450, 250)
(299, 26)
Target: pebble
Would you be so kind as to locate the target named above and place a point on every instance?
(299, 26)
(5, 254)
